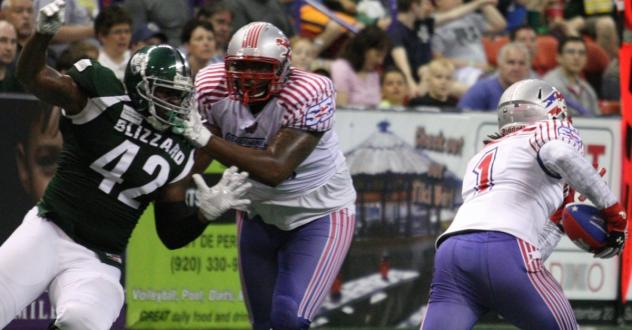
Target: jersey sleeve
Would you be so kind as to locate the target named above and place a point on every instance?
(549, 130)
(210, 87)
(310, 103)
(95, 80)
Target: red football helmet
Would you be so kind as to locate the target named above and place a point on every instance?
(257, 62)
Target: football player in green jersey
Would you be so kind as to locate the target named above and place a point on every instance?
(119, 154)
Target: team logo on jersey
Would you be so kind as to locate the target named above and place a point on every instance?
(320, 113)
(569, 132)
(248, 142)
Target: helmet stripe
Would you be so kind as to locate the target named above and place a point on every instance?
(252, 36)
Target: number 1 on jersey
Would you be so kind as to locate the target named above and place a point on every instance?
(483, 171)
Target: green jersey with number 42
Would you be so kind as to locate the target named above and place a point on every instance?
(112, 163)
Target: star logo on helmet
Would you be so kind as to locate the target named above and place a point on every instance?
(553, 98)
(284, 43)
(555, 111)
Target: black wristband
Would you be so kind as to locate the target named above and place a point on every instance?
(177, 224)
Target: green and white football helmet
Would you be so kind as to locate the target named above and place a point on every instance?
(158, 81)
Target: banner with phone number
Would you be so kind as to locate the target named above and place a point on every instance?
(193, 287)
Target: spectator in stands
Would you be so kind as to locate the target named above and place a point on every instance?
(592, 18)
(271, 11)
(327, 34)
(169, 15)
(515, 13)
(355, 74)
(20, 14)
(460, 39)
(394, 92)
(78, 25)
(74, 52)
(412, 31)
(303, 55)
(113, 30)
(610, 82)
(513, 65)
(8, 50)
(219, 15)
(571, 58)
(147, 35)
(199, 40)
(410, 34)
(437, 76)
(526, 35)
(372, 12)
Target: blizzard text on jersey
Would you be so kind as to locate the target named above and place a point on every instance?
(154, 139)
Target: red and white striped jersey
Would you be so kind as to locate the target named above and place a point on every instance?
(506, 188)
(306, 102)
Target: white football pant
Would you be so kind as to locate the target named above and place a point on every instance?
(38, 255)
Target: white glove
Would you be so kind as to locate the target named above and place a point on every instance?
(51, 17)
(227, 194)
(195, 131)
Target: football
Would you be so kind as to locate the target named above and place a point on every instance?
(585, 226)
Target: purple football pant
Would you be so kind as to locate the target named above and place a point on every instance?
(484, 271)
(286, 275)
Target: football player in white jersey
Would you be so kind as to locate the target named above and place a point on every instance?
(489, 257)
(275, 122)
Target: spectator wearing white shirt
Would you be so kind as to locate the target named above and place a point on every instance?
(113, 28)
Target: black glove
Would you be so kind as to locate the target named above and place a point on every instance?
(616, 240)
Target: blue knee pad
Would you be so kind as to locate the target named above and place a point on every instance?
(284, 314)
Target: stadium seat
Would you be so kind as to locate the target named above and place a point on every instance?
(610, 108)
(545, 58)
(492, 45)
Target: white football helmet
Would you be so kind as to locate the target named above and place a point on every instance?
(257, 62)
(528, 101)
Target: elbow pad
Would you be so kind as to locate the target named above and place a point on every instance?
(560, 158)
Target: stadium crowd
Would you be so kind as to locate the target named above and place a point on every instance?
(395, 55)
(450, 54)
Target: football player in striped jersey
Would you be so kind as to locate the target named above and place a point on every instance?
(275, 121)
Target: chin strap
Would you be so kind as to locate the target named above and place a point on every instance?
(155, 123)
(152, 120)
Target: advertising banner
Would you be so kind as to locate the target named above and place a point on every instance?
(193, 287)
